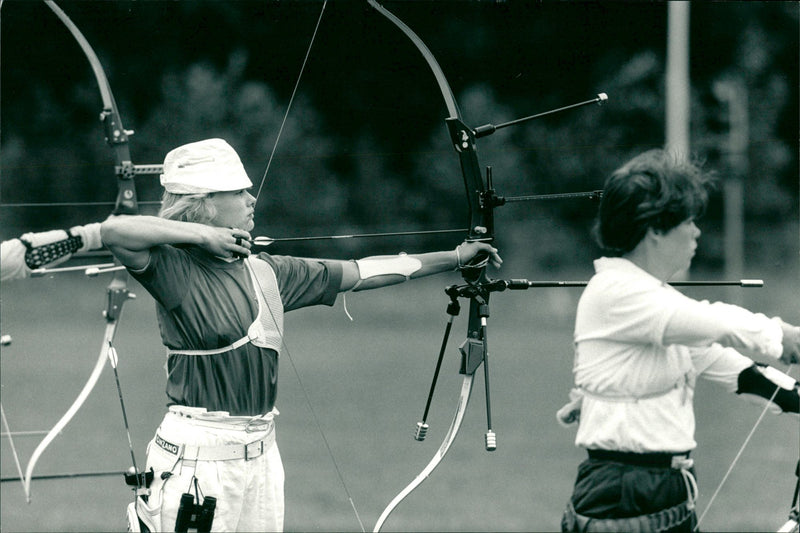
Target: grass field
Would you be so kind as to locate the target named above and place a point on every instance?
(367, 382)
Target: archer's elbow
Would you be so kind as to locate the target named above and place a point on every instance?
(112, 231)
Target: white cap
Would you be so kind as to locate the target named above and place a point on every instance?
(205, 166)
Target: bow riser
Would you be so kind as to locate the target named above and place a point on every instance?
(117, 139)
(481, 226)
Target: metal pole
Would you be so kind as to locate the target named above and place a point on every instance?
(677, 83)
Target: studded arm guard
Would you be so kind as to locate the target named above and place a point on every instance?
(44, 254)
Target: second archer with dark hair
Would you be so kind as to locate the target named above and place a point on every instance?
(640, 345)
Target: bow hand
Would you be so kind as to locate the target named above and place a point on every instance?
(477, 254)
(791, 344)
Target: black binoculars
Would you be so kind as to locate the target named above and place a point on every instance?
(191, 515)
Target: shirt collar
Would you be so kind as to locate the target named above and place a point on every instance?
(622, 265)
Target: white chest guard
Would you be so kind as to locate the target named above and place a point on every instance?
(266, 331)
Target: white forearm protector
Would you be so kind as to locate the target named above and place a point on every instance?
(397, 265)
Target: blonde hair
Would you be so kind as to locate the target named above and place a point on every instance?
(188, 207)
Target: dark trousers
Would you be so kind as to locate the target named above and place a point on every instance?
(629, 492)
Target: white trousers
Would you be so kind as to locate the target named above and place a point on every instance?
(249, 491)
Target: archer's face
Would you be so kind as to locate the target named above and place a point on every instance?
(677, 246)
(234, 209)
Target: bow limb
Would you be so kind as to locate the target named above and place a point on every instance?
(444, 87)
(463, 400)
(73, 409)
(462, 137)
(480, 202)
(116, 134)
(126, 203)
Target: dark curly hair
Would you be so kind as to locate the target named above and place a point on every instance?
(657, 189)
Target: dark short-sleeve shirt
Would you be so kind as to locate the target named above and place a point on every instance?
(205, 303)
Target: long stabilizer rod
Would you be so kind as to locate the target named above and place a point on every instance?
(523, 284)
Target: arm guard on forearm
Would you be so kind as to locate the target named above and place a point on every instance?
(376, 267)
(49, 247)
(762, 381)
(38, 256)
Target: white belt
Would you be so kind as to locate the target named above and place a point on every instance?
(222, 452)
(222, 420)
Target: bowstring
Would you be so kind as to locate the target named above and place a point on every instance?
(13, 447)
(739, 453)
(310, 405)
(291, 100)
(303, 389)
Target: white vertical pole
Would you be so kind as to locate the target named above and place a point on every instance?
(733, 93)
(678, 87)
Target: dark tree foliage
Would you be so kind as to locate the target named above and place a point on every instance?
(364, 148)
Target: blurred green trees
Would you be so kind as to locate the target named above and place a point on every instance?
(364, 147)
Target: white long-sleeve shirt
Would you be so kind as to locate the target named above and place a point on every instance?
(639, 346)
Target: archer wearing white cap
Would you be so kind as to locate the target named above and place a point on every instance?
(221, 319)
